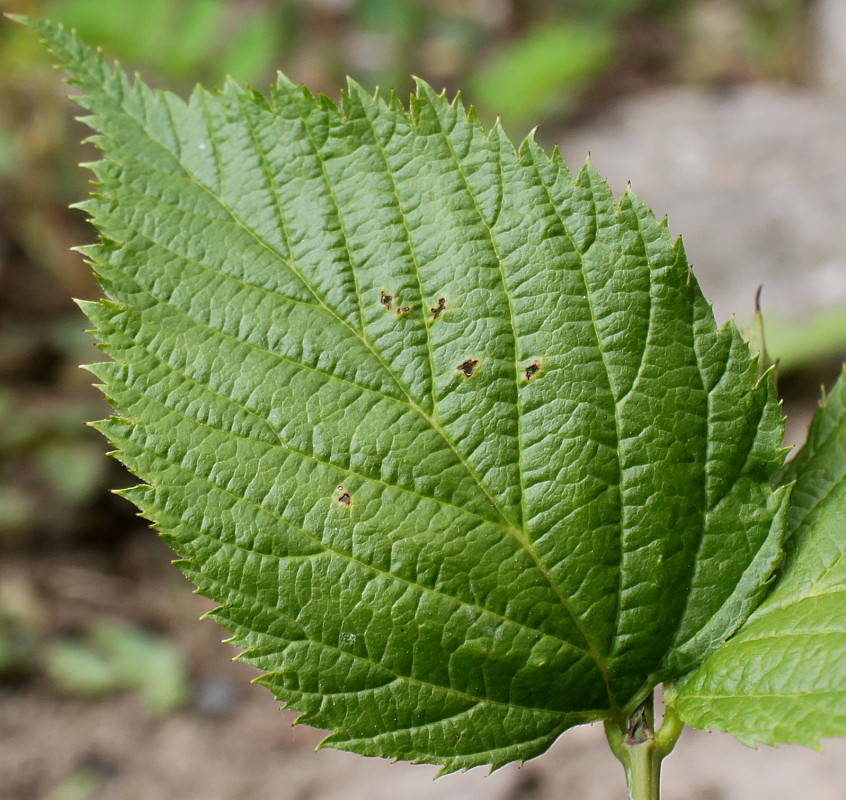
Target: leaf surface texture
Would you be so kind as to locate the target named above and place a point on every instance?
(449, 434)
(781, 677)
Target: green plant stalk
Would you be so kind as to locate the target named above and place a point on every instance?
(640, 749)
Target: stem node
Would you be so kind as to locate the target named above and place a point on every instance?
(641, 749)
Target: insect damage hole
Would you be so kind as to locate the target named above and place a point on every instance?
(532, 370)
(344, 498)
(468, 367)
(438, 309)
(386, 300)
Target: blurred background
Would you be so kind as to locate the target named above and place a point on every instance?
(730, 115)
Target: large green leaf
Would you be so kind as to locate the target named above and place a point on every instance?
(451, 436)
(781, 678)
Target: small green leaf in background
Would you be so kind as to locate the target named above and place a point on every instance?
(781, 678)
(798, 343)
(250, 51)
(202, 22)
(76, 669)
(542, 71)
(81, 785)
(115, 657)
(180, 40)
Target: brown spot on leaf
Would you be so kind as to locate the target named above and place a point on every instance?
(438, 309)
(468, 367)
(532, 370)
(386, 300)
(344, 498)
(403, 310)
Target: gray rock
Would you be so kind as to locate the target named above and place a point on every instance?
(829, 28)
(755, 180)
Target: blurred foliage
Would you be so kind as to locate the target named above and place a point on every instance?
(543, 71)
(84, 783)
(115, 657)
(745, 39)
(796, 344)
(531, 60)
(103, 657)
(196, 40)
(22, 628)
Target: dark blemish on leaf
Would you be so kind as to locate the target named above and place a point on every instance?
(468, 367)
(438, 309)
(386, 300)
(403, 310)
(344, 498)
(532, 370)
(758, 298)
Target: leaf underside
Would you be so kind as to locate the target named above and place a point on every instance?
(450, 435)
(781, 678)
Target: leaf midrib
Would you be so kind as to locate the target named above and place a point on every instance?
(275, 610)
(284, 445)
(598, 659)
(326, 549)
(519, 535)
(503, 524)
(321, 303)
(412, 251)
(601, 661)
(271, 187)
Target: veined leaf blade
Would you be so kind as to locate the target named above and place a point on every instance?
(780, 678)
(450, 435)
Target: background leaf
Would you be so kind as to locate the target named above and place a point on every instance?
(450, 435)
(780, 679)
(544, 70)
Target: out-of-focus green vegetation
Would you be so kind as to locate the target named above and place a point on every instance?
(531, 60)
(544, 71)
(84, 783)
(794, 343)
(114, 657)
(101, 658)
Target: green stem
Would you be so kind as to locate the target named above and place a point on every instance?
(643, 772)
(641, 749)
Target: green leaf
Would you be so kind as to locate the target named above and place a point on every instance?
(116, 656)
(450, 436)
(780, 679)
(544, 69)
(181, 39)
(797, 343)
(78, 670)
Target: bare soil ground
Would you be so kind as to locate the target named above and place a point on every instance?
(231, 743)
